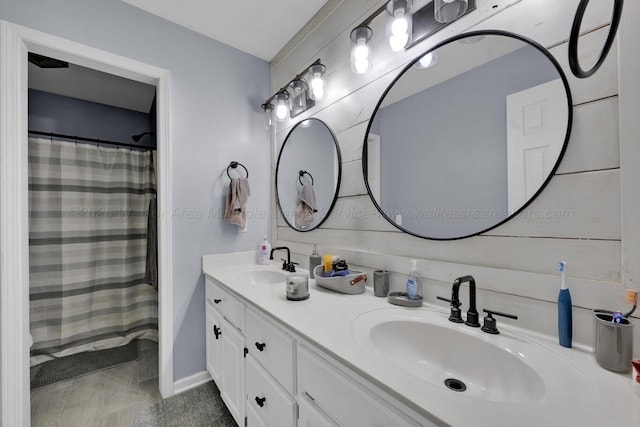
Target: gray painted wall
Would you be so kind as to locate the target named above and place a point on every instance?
(49, 112)
(453, 138)
(216, 92)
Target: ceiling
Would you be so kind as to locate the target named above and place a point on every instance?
(93, 85)
(258, 27)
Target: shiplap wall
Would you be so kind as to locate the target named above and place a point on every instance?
(514, 264)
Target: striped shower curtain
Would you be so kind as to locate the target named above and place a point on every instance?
(88, 208)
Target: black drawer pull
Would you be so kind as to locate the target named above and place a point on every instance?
(217, 301)
(217, 331)
(261, 346)
(260, 401)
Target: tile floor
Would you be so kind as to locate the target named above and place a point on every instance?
(122, 396)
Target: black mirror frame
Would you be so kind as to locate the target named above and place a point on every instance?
(337, 190)
(565, 83)
(574, 62)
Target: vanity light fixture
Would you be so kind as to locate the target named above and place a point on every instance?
(399, 24)
(446, 11)
(297, 96)
(360, 49)
(405, 28)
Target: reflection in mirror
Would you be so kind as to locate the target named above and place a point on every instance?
(458, 147)
(308, 175)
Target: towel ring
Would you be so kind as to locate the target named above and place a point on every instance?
(574, 63)
(303, 173)
(234, 165)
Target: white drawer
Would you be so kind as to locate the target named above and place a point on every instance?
(231, 307)
(266, 398)
(272, 348)
(346, 401)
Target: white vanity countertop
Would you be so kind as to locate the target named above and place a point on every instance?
(326, 319)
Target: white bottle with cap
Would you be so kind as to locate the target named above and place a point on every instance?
(264, 251)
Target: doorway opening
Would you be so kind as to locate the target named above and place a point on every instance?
(15, 43)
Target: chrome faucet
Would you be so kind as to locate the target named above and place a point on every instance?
(456, 313)
(286, 265)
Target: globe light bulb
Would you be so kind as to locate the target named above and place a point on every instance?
(281, 111)
(400, 25)
(398, 42)
(428, 60)
(317, 86)
(361, 51)
(361, 65)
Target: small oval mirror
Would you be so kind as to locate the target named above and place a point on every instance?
(308, 175)
(467, 135)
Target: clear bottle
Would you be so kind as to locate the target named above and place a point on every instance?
(314, 260)
(264, 251)
(414, 287)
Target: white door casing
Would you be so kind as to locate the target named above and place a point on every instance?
(15, 42)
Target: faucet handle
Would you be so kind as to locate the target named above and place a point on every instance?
(292, 267)
(490, 323)
(455, 314)
(453, 304)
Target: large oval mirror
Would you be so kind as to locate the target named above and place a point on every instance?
(308, 175)
(467, 135)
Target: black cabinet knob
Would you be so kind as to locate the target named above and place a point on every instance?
(260, 346)
(217, 301)
(217, 331)
(260, 401)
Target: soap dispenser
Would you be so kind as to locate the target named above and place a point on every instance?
(314, 260)
(414, 287)
(264, 251)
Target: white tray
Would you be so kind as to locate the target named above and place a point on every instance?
(351, 284)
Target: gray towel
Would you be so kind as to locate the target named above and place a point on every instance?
(151, 273)
(306, 206)
(235, 210)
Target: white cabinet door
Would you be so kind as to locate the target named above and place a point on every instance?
(232, 373)
(253, 420)
(272, 348)
(214, 343)
(342, 398)
(309, 415)
(274, 406)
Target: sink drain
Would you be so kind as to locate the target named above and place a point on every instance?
(455, 385)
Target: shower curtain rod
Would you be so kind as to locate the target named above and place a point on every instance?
(97, 141)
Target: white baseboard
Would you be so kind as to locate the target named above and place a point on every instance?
(184, 384)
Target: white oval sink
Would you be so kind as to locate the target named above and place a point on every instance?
(261, 277)
(504, 368)
(254, 275)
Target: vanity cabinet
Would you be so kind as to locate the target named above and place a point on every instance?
(269, 376)
(225, 344)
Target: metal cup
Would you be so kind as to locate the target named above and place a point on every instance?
(614, 342)
(381, 283)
